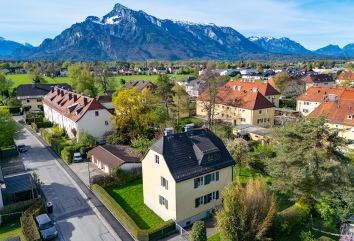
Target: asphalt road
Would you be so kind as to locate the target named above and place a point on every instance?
(78, 214)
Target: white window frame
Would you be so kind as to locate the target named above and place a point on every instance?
(200, 181)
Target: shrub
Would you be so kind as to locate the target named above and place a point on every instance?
(86, 139)
(58, 131)
(141, 144)
(114, 139)
(29, 227)
(84, 150)
(14, 208)
(198, 231)
(45, 135)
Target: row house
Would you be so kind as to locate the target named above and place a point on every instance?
(76, 113)
(345, 77)
(317, 80)
(185, 173)
(237, 105)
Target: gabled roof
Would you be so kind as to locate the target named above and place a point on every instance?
(139, 84)
(69, 104)
(115, 155)
(317, 78)
(182, 158)
(247, 99)
(27, 91)
(317, 93)
(345, 76)
(187, 80)
(266, 89)
(337, 111)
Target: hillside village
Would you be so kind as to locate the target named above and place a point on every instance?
(183, 142)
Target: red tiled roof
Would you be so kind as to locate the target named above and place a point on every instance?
(316, 93)
(266, 89)
(63, 101)
(345, 76)
(246, 99)
(337, 111)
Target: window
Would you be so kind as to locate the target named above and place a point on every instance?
(164, 183)
(266, 119)
(242, 119)
(97, 113)
(157, 159)
(207, 179)
(352, 129)
(39, 100)
(106, 123)
(213, 196)
(27, 101)
(350, 117)
(222, 107)
(163, 201)
(260, 112)
(210, 197)
(267, 111)
(210, 156)
(243, 111)
(234, 114)
(306, 103)
(199, 201)
(198, 182)
(305, 110)
(259, 121)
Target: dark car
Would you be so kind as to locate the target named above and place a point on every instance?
(46, 227)
(21, 147)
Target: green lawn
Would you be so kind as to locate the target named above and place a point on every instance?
(130, 198)
(12, 229)
(23, 79)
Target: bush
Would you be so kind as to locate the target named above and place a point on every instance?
(58, 131)
(198, 231)
(44, 124)
(29, 227)
(14, 208)
(141, 144)
(84, 150)
(45, 135)
(68, 152)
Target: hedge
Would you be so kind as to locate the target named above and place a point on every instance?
(11, 109)
(35, 117)
(46, 135)
(128, 223)
(68, 152)
(7, 212)
(29, 227)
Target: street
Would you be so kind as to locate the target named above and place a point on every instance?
(73, 211)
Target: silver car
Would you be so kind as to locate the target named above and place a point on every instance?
(46, 227)
(77, 157)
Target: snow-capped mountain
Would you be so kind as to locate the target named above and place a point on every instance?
(8, 46)
(127, 34)
(280, 46)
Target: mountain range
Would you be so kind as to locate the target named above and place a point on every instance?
(125, 34)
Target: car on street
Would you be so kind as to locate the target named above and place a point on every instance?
(21, 147)
(46, 227)
(77, 157)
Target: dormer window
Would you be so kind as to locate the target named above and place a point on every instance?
(211, 157)
(350, 117)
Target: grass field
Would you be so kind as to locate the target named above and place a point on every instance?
(11, 230)
(130, 198)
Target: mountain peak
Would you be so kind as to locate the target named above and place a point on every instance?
(119, 7)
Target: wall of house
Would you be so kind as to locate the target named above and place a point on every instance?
(152, 173)
(186, 212)
(274, 99)
(344, 131)
(33, 103)
(236, 116)
(95, 125)
(306, 107)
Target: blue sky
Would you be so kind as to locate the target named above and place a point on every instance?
(312, 23)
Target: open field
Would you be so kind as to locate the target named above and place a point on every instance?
(130, 198)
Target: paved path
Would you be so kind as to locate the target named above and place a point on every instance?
(106, 214)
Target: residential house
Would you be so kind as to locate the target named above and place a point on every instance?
(265, 88)
(317, 80)
(173, 69)
(76, 112)
(193, 86)
(159, 70)
(314, 96)
(31, 95)
(345, 77)
(339, 114)
(63, 72)
(108, 157)
(237, 105)
(250, 132)
(143, 71)
(140, 85)
(106, 101)
(184, 175)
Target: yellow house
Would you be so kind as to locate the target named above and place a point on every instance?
(184, 175)
(238, 106)
(31, 95)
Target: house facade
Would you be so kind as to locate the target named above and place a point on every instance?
(108, 157)
(193, 86)
(317, 80)
(140, 85)
(31, 95)
(184, 175)
(76, 112)
(345, 77)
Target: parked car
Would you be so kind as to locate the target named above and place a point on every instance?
(46, 227)
(21, 147)
(77, 157)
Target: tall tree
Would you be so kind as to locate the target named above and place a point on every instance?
(239, 151)
(350, 67)
(282, 81)
(5, 84)
(248, 212)
(135, 111)
(35, 76)
(309, 164)
(74, 72)
(104, 78)
(181, 102)
(164, 91)
(9, 129)
(86, 83)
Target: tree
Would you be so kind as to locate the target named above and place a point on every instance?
(259, 69)
(309, 164)
(36, 77)
(181, 102)
(104, 78)
(248, 212)
(282, 80)
(9, 129)
(135, 112)
(86, 83)
(350, 67)
(74, 72)
(5, 84)
(86, 139)
(199, 231)
(164, 91)
(239, 151)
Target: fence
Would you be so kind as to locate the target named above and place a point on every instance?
(183, 232)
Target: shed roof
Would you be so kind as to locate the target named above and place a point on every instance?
(19, 183)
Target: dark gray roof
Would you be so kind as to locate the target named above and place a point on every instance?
(139, 84)
(36, 90)
(183, 152)
(19, 183)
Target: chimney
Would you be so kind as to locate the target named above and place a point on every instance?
(51, 89)
(168, 131)
(188, 128)
(33, 85)
(85, 101)
(70, 95)
(62, 93)
(75, 97)
(58, 91)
